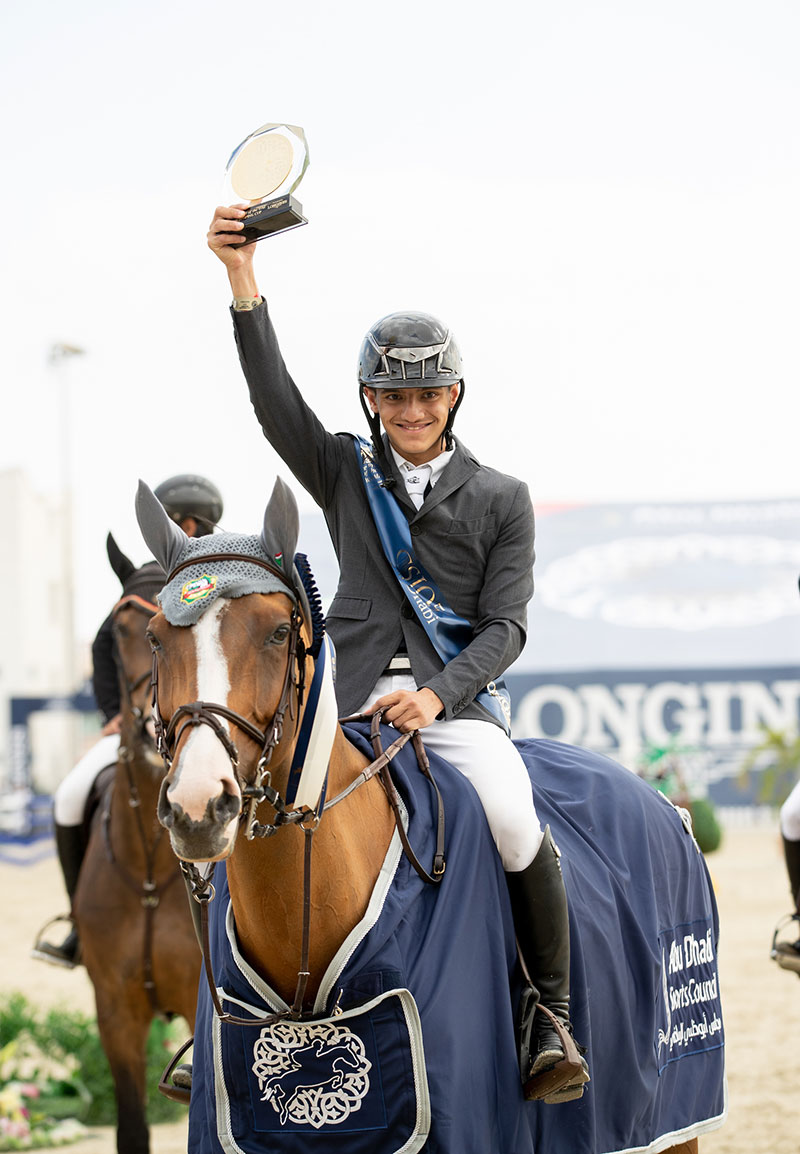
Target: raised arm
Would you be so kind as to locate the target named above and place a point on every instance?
(226, 242)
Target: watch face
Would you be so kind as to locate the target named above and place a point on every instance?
(270, 162)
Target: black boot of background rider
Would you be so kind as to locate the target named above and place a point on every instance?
(791, 852)
(71, 847)
(555, 1072)
(790, 951)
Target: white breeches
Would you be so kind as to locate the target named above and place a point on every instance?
(790, 815)
(70, 797)
(491, 762)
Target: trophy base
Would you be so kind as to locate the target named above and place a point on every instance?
(272, 216)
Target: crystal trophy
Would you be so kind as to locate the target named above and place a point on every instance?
(264, 171)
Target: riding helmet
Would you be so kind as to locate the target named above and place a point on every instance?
(409, 350)
(189, 495)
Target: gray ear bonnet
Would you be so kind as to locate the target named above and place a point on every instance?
(190, 592)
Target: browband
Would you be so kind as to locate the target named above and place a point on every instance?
(204, 558)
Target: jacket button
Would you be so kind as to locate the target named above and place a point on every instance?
(416, 530)
(406, 611)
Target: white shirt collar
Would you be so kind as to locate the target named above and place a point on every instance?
(436, 465)
(417, 477)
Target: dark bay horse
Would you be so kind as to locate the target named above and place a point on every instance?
(130, 907)
(353, 1003)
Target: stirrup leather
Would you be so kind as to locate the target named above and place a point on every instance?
(564, 1071)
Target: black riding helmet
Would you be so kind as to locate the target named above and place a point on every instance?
(408, 350)
(189, 495)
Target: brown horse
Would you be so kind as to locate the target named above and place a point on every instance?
(233, 659)
(130, 907)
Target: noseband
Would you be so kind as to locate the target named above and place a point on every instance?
(197, 713)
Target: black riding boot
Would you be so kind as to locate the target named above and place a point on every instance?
(553, 1069)
(791, 851)
(71, 847)
(787, 954)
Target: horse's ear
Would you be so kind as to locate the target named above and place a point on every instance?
(281, 527)
(165, 540)
(122, 565)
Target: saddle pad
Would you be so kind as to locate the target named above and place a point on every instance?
(354, 1081)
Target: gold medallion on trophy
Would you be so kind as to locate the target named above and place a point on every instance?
(264, 171)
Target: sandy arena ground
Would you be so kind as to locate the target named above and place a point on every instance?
(761, 1004)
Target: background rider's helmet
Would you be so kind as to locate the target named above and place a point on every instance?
(189, 495)
(409, 350)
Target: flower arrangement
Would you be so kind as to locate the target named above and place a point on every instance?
(55, 1079)
(41, 1097)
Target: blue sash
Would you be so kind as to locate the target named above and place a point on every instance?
(448, 632)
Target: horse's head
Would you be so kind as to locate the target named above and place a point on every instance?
(129, 620)
(230, 648)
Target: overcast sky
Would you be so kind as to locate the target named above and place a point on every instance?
(601, 199)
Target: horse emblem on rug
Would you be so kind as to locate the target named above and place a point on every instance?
(317, 1074)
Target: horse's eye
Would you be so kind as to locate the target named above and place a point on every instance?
(152, 642)
(280, 635)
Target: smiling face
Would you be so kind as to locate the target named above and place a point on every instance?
(414, 418)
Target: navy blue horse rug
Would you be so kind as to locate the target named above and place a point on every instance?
(411, 1046)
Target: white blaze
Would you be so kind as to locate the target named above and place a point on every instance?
(203, 764)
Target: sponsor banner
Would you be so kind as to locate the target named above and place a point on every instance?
(689, 1003)
(713, 717)
(632, 586)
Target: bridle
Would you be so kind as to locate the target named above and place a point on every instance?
(196, 713)
(129, 688)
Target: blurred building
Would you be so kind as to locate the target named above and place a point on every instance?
(37, 657)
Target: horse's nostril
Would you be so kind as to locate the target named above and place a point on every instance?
(164, 810)
(225, 807)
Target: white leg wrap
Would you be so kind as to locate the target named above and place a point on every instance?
(790, 815)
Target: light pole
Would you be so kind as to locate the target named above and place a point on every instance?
(60, 356)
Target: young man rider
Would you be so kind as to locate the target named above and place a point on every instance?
(472, 531)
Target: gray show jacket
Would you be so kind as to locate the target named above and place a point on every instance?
(474, 534)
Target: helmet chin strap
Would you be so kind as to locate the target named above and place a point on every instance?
(374, 422)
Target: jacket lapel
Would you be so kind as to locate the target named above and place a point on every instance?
(461, 467)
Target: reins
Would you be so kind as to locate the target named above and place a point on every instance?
(189, 716)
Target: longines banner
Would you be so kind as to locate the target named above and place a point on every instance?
(711, 717)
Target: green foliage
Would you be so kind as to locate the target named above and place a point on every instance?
(707, 830)
(62, 1047)
(775, 762)
(665, 769)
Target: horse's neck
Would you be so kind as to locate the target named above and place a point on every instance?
(266, 878)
